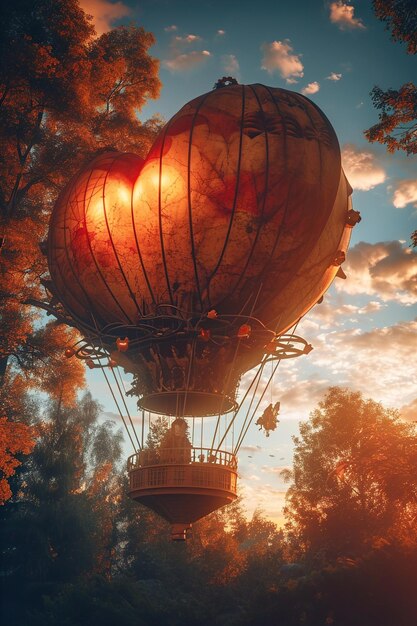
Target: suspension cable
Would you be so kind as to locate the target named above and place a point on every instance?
(125, 405)
(230, 375)
(243, 434)
(231, 425)
(118, 408)
(250, 405)
(143, 427)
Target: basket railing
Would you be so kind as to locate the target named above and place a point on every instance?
(181, 456)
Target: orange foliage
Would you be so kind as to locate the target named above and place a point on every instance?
(21, 266)
(15, 438)
(45, 367)
(64, 96)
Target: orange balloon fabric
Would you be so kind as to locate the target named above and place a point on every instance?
(240, 206)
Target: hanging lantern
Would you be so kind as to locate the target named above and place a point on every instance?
(122, 344)
(244, 331)
(204, 334)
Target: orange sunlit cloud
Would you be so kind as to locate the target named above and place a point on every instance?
(259, 496)
(104, 13)
(409, 411)
(386, 269)
(278, 56)
(184, 62)
(380, 363)
(187, 39)
(311, 88)
(343, 15)
(405, 193)
(333, 314)
(362, 168)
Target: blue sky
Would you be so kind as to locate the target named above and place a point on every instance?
(364, 333)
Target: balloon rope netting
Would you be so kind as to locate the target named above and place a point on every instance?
(224, 431)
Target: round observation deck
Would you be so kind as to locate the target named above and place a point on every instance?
(182, 485)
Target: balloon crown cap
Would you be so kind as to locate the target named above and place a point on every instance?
(226, 81)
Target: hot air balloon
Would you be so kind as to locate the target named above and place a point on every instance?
(189, 268)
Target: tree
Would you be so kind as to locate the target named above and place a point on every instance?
(397, 126)
(354, 486)
(14, 438)
(397, 119)
(64, 96)
(400, 17)
(61, 523)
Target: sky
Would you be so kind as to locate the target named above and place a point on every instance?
(364, 333)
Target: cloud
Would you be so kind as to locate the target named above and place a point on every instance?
(250, 448)
(361, 168)
(386, 269)
(104, 13)
(311, 88)
(380, 363)
(333, 76)
(405, 193)
(265, 497)
(184, 62)
(187, 39)
(342, 14)
(230, 64)
(221, 32)
(278, 56)
(409, 411)
(332, 313)
(170, 29)
(136, 419)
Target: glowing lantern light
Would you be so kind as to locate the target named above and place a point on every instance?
(241, 207)
(204, 334)
(122, 344)
(244, 331)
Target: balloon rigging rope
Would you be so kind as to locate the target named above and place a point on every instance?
(118, 408)
(125, 405)
(232, 423)
(188, 376)
(143, 427)
(121, 395)
(243, 434)
(228, 380)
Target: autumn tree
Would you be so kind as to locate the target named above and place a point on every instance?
(354, 486)
(397, 125)
(15, 438)
(64, 96)
(60, 523)
(397, 118)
